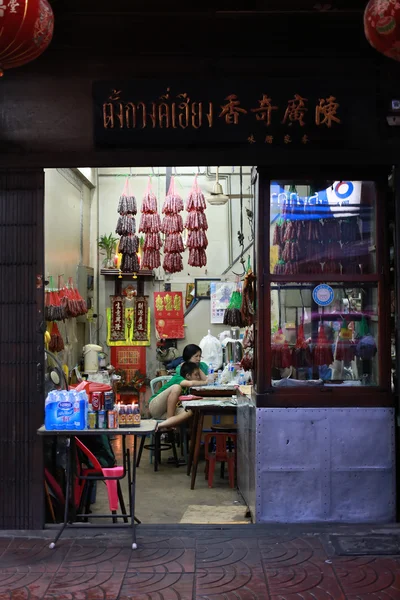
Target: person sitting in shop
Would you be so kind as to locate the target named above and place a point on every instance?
(192, 353)
(165, 403)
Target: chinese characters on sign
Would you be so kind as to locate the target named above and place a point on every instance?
(168, 314)
(117, 318)
(141, 317)
(263, 117)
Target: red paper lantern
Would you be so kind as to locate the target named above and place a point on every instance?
(26, 29)
(382, 26)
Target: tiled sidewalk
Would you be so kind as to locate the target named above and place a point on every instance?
(177, 563)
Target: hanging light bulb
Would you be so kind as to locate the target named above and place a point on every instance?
(217, 196)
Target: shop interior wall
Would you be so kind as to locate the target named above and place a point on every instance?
(68, 239)
(224, 223)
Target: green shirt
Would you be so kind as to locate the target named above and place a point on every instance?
(202, 366)
(176, 379)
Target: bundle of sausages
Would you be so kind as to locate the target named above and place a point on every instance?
(196, 224)
(150, 224)
(172, 227)
(126, 228)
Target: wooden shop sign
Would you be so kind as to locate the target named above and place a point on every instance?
(267, 112)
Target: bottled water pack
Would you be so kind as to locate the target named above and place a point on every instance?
(66, 410)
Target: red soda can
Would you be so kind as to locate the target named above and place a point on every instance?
(96, 400)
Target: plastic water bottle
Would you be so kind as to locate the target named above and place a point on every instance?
(219, 377)
(231, 371)
(241, 378)
(210, 378)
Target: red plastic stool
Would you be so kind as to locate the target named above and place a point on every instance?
(224, 451)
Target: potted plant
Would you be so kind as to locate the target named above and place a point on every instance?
(107, 244)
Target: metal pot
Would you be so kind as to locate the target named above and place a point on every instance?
(234, 351)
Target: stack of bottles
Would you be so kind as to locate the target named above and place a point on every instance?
(104, 413)
(66, 410)
(228, 376)
(71, 410)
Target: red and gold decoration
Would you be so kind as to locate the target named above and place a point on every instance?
(172, 227)
(382, 26)
(117, 332)
(196, 224)
(130, 364)
(141, 319)
(150, 224)
(132, 335)
(168, 315)
(26, 29)
(126, 228)
(129, 292)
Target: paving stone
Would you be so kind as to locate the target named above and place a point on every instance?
(280, 553)
(139, 585)
(162, 560)
(85, 584)
(242, 553)
(21, 583)
(363, 579)
(35, 554)
(85, 555)
(231, 583)
(308, 581)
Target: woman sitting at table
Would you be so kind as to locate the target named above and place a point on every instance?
(165, 403)
(192, 353)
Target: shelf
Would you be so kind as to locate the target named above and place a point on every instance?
(117, 273)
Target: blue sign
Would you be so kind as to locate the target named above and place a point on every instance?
(323, 294)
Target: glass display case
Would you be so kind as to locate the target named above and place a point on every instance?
(324, 308)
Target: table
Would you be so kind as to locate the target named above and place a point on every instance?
(146, 427)
(201, 408)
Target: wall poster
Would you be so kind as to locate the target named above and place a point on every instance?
(168, 315)
(221, 292)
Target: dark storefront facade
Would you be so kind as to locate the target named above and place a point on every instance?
(304, 99)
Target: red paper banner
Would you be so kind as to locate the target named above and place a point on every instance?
(140, 327)
(168, 315)
(117, 332)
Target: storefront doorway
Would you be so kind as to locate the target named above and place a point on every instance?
(336, 423)
(81, 210)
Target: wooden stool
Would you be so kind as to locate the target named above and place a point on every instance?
(223, 451)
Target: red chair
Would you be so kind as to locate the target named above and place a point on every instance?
(95, 472)
(222, 450)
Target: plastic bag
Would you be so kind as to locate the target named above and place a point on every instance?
(211, 350)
